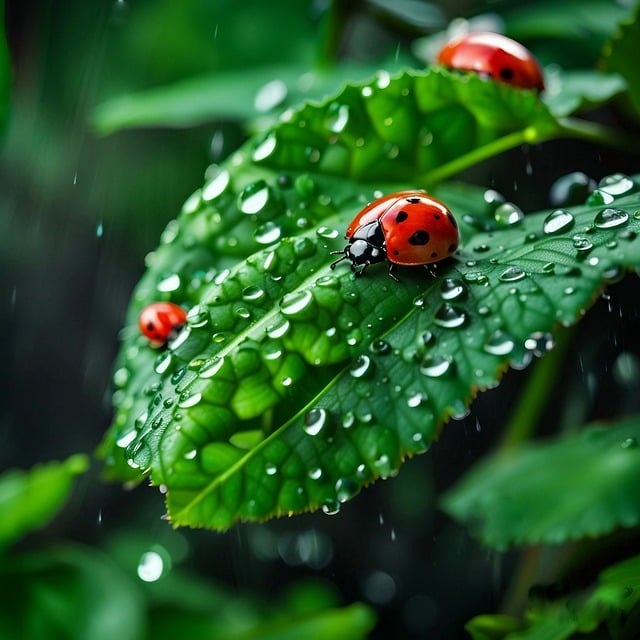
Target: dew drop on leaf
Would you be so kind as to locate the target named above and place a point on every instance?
(270, 95)
(507, 214)
(337, 117)
(327, 232)
(346, 488)
(499, 343)
(270, 469)
(609, 218)
(189, 400)
(571, 189)
(331, 507)
(163, 362)
(315, 421)
(558, 221)
(197, 317)
(361, 367)
(416, 399)
(380, 347)
(210, 367)
(252, 293)
(169, 283)
(451, 289)
(265, 147)
(512, 274)
(267, 233)
(254, 197)
(582, 245)
(617, 184)
(278, 329)
(449, 316)
(629, 443)
(435, 366)
(124, 440)
(315, 473)
(216, 187)
(348, 420)
(294, 303)
(539, 343)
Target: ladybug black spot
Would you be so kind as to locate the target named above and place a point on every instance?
(506, 73)
(436, 216)
(419, 238)
(434, 255)
(402, 216)
(150, 326)
(452, 247)
(396, 252)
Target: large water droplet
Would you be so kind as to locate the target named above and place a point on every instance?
(512, 274)
(267, 233)
(449, 316)
(265, 147)
(507, 214)
(539, 343)
(211, 366)
(617, 184)
(169, 283)
(189, 400)
(331, 507)
(346, 488)
(254, 197)
(126, 439)
(315, 421)
(435, 366)
(571, 189)
(278, 329)
(294, 303)
(451, 289)
(558, 221)
(362, 367)
(610, 218)
(197, 317)
(252, 293)
(499, 343)
(216, 187)
(163, 362)
(380, 347)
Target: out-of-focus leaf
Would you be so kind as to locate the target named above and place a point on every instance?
(29, 499)
(68, 593)
(568, 92)
(5, 73)
(621, 56)
(606, 608)
(551, 492)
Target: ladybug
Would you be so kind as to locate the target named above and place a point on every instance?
(159, 322)
(405, 228)
(496, 56)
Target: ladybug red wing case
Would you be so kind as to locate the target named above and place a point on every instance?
(161, 321)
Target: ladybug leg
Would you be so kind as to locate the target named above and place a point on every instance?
(390, 271)
(431, 271)
(344, 257)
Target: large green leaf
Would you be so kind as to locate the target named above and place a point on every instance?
(551, 492)
(610, 606)
(29, 499)
(293, 385)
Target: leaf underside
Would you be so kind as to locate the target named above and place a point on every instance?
(293, 385)
(513, 498)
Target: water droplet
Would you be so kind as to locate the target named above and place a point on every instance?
(362, 366)
(150, 567)
(265, 147)
(331, 507)
(610, 218)
(178, 375)
(121, 377)
(512, 274)
(327, 232)
(315, 421)
(304, 247)
(435, 366)
(126, 439)
(169, 283)
(254, 197)
(629, 443)
(539, 343)
(571, 189)
(216, 187)
(416, 399)
(558, 221)
(252, 293)
(617, 184)
(348, 420)
(449, 316)
(380, 347)
(295, 303)
(189, 400)
(267, 233)
(163, 362)
(210, 367)
(197, 317)
(499, 343)
(383, 466)
(367, 92)
(312, 154)
(346, 488)
(508, 214)
(337, 117)
(270, 95)
(452, 289)
(315, 474)
(270, 469)
(278, 329)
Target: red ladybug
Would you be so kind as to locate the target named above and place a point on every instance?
(406, 228)
(495, 55)
(159, 322)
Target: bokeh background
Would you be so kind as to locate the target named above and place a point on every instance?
(79, 209)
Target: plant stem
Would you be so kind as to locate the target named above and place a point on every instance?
(562, 128)
(533, 400)
(332, 27)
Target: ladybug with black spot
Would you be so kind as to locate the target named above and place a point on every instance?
(160, 322)
(405, 228)
(496, 56)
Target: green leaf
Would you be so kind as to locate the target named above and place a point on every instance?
(29, 499)
(620, 55)
(293, 385)
(549, 492)
(568, 92)
(607, 607)
(68, 593)
(244, 95)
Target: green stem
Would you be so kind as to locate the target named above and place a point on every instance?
(531, 403)
(564, 128)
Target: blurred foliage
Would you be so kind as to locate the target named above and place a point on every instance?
(77, 214)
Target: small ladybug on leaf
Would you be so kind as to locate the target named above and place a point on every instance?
(160, 322)
(404, 228)
(494, 55)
